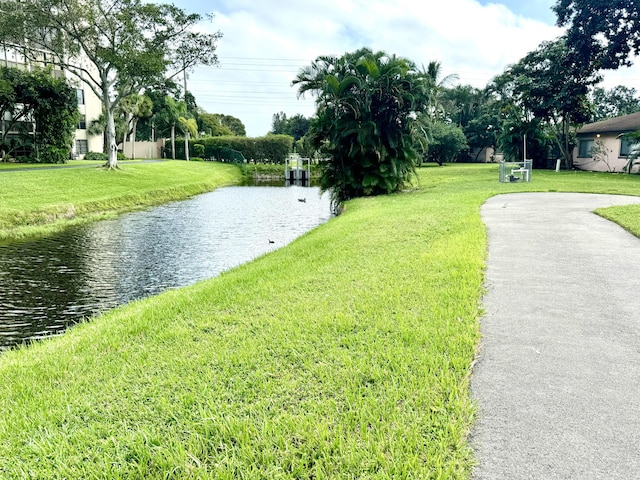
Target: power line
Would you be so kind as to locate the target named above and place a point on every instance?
(268, 59)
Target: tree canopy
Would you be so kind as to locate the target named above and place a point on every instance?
(40, 114)
(602, 34)
(117, 47)
(366, 104)
(296, 126)
(613, 102)
(545, 86)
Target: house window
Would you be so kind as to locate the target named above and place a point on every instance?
(82, 124)
(80, 96)
(82, 147)
(584, 148)
(625, 147)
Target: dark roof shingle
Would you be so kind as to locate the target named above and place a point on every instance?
(625, 123)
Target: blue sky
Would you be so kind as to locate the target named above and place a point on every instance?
(536, 9)
(266, 42)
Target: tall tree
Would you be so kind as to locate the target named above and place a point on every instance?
(234, 124)
(614, 102)
(117, 47)
(549, 86)
(515, 121)
(280, 124)
(154, 126)
(366, 104)
(296, 126)
(171, 116)
(439, 84)
(447, 142)
(602, 34)
(135, 107)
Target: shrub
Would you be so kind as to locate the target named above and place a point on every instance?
(269, 149)
(96, 156)
(103, 156)
(198, 150)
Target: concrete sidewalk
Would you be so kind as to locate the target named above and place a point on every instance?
(557, 382)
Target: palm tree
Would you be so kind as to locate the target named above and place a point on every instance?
(135, 107)
(366, 105)
(438, 86)
(172, 113)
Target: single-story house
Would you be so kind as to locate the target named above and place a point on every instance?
(602, 146)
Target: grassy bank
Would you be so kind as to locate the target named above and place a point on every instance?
(37, 202)
(344, 355)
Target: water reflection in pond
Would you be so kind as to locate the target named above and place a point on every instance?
(48, 284)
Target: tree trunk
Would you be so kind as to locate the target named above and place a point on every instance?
(112, 161)
(568, 152)
(186, 146)
(173, 142)
(561, 137)
(133, 138)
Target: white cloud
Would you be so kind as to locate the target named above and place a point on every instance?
(266, 43)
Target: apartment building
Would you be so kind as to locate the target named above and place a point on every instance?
(89, 104)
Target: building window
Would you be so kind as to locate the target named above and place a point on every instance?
(82, 124)
(80, 96)
(625, 147)
(82, 147)
(584, 148)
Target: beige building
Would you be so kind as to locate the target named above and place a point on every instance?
(89, 104)
(603, 147)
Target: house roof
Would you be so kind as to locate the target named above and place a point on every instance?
(625, 123)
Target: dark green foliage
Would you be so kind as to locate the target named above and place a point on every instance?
(220, 125)
(272, 148)
(545, 89)
(511, 141)
(615, 102)
(447, 143)
(128, 45)
(56, 116)
(42, 113)
(475, 111)
(101, 156)
(602, 34)
(305, 148)
(235, 125)
(296, 126)
(96, 156)
(549, 85)
(159, 124)
(366, 104)
(197, 149)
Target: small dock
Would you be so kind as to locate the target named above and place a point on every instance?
(295, 171)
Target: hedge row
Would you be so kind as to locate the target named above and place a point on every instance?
(269, 149)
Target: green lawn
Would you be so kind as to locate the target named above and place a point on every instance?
(26, 166)
(40, 201)
(346, 354)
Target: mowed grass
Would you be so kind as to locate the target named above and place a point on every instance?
(346, 354)
(37, 201)
(27, 166)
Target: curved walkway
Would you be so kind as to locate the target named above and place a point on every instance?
(557, 382)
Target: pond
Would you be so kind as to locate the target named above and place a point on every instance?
(51, 283)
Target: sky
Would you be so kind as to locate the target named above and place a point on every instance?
(266, 42)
